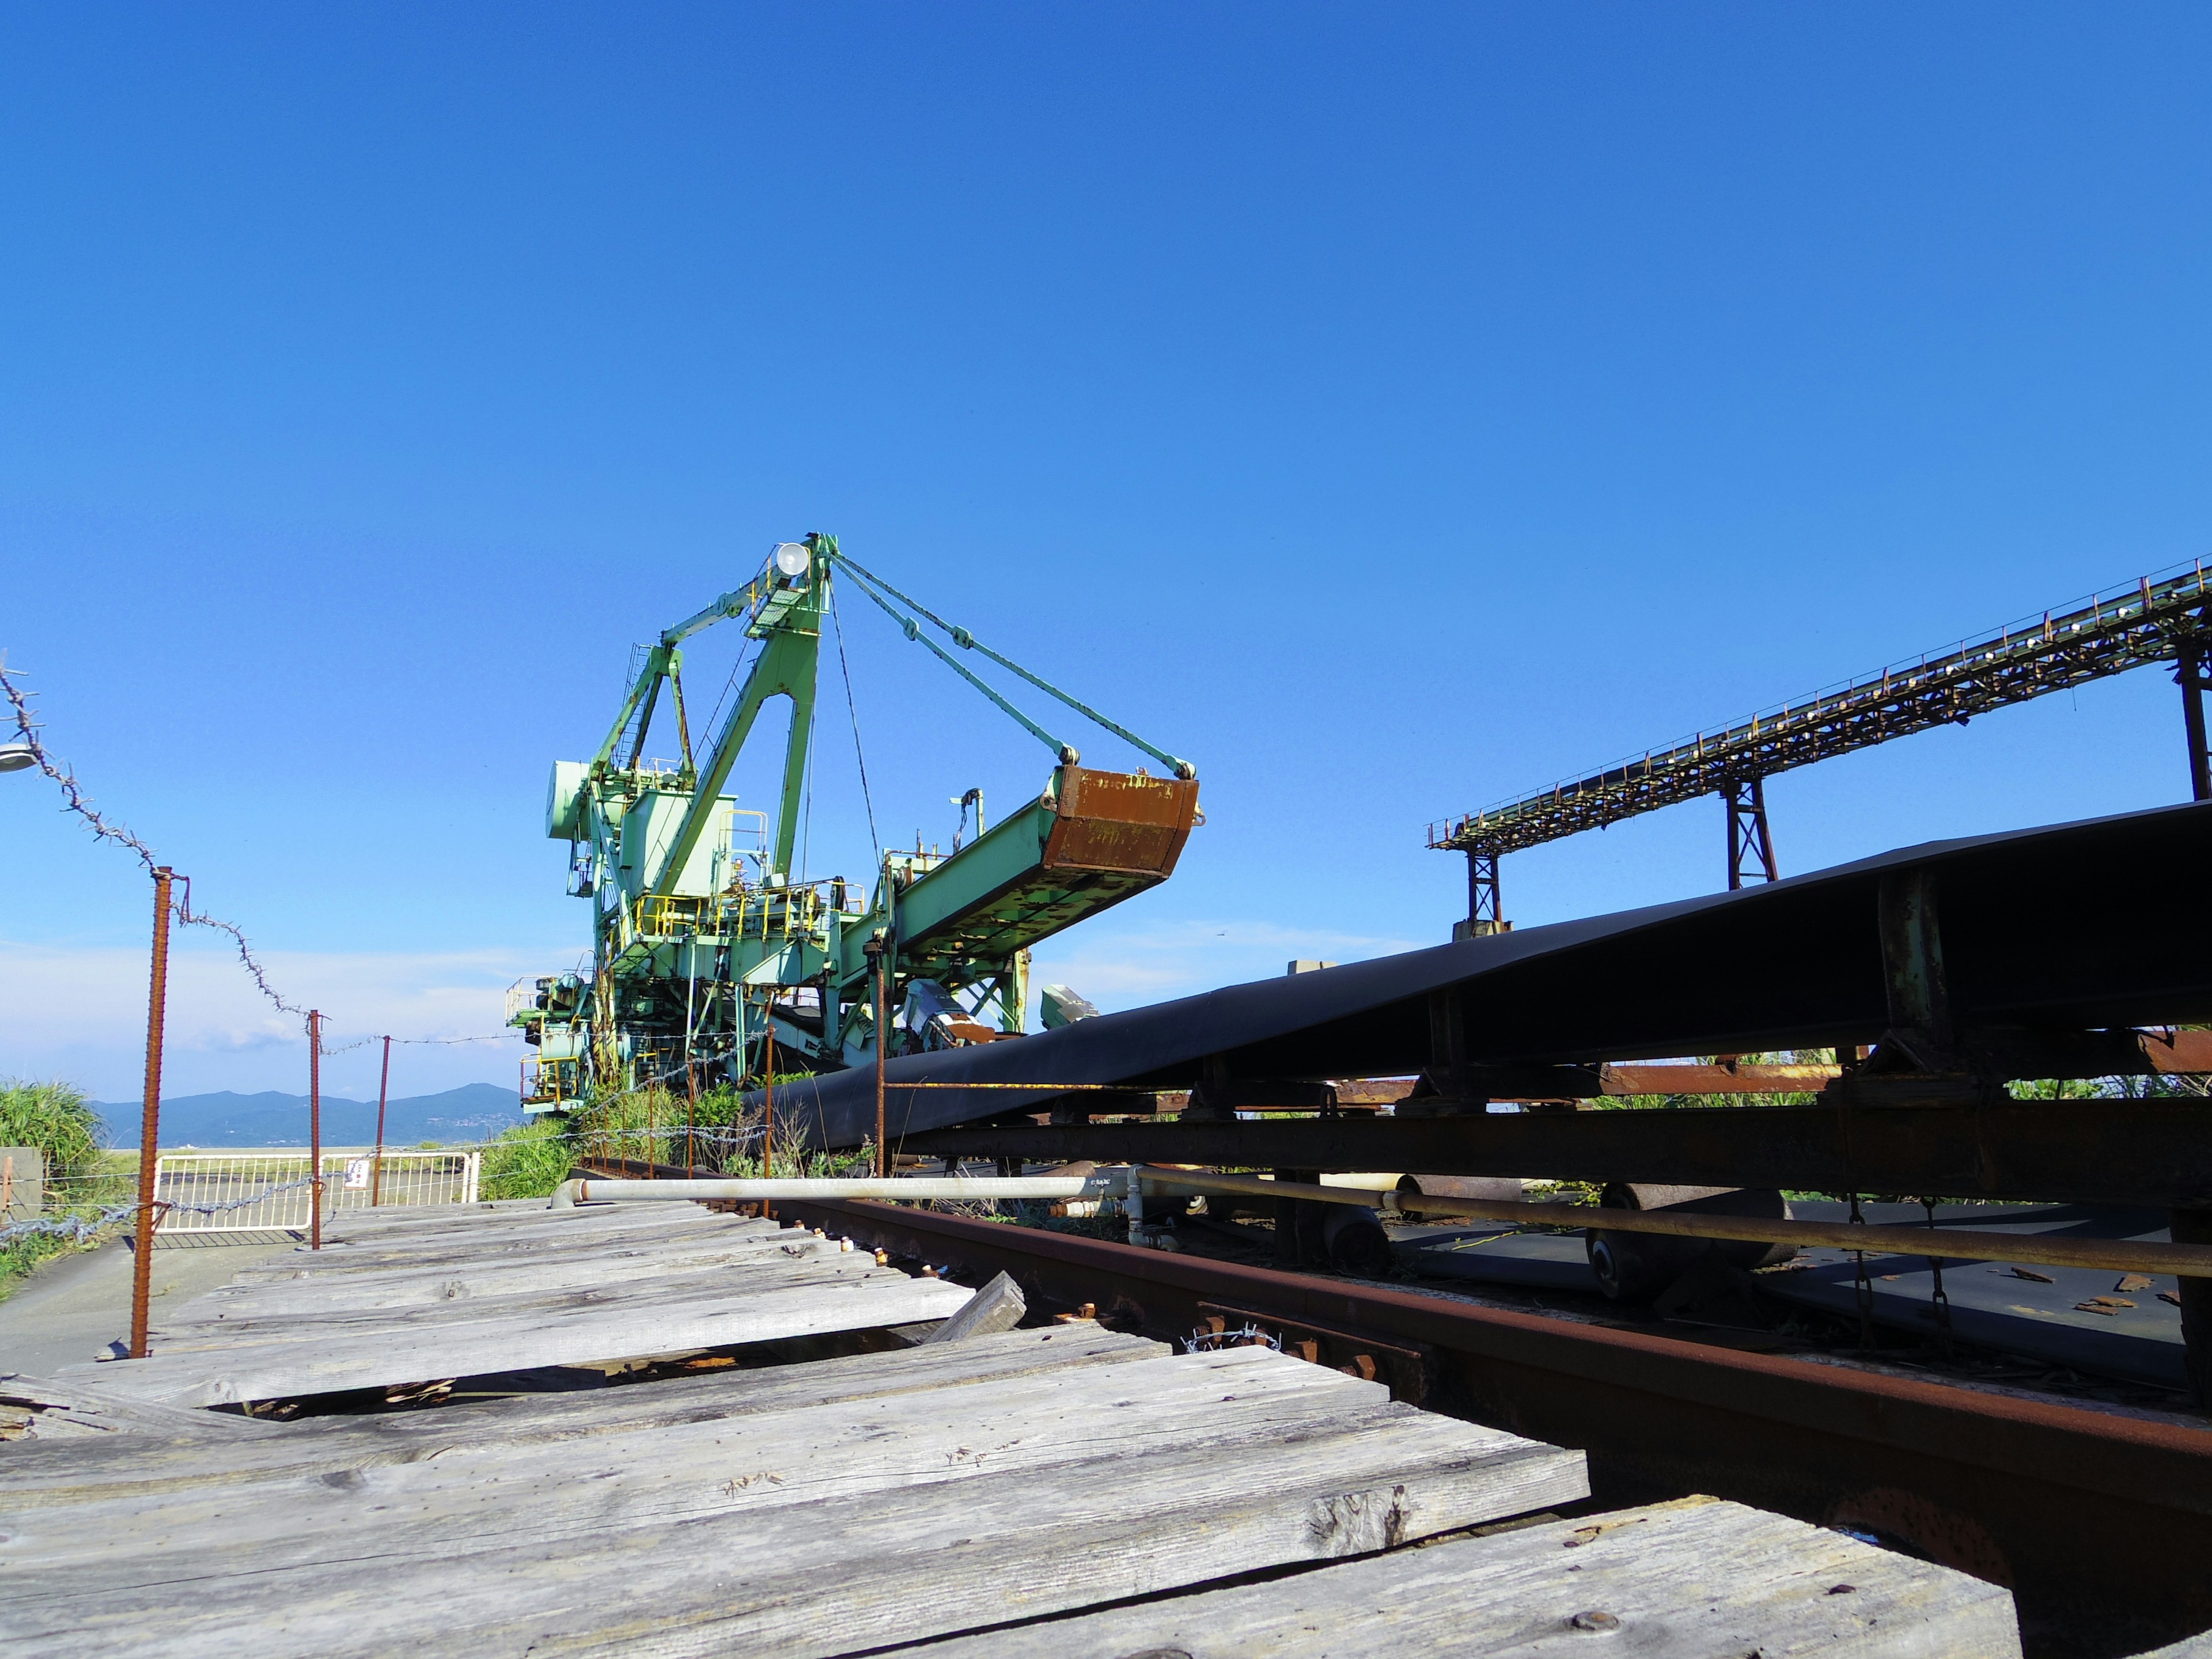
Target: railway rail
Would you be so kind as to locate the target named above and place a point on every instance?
(2098, 1521)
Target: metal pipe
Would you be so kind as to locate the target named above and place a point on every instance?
(882, 954)
(1953, 1244)
(954, 1189)
(315, 1127)
(150, 1126)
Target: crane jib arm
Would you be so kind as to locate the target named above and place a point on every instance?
(1092, 840)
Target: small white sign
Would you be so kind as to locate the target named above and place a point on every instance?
(357, 1172)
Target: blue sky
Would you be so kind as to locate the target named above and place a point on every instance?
(1391, 408)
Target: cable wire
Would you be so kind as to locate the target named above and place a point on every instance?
(838, 628)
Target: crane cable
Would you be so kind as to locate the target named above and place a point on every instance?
(853, 709)
(869, 582)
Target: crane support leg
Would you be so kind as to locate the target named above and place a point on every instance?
(2195, 676)
(1484, 913)
(1748, 838)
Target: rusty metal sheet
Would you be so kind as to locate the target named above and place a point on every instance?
(1120, 821)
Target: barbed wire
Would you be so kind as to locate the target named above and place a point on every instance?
(73, 799)
(84, 1227)
(76, 801)
(396, 1042)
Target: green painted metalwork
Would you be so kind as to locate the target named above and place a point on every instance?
(705, 946)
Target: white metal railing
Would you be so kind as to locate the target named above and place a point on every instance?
(255, 1191)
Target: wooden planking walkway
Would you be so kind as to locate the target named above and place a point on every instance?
(820, 1508)
(406, 1296)
(34, 1473)
(1695, 1579)
(1003, 1484)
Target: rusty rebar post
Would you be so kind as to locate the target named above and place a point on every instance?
(376, 1164)
(149, 1122)
(874, 950)
(315, 1128)
(768, 1099)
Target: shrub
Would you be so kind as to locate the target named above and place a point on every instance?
(57, 1118)
(528, 1161)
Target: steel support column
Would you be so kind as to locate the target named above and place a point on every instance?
(2194, 675)
(1748, 838)
(1486, 912)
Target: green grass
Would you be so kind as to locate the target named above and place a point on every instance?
(528, 1161)
(82, 1177)
(532, 1159)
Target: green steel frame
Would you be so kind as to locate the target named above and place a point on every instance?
(705, 953)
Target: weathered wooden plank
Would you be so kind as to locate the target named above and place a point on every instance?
(240, 1323)
(270, 1338)
(422, 1252)
(390, 1214)
(336, 1266)
(589, 1329)
(80, 1472)
(400, 1244)
(768, 1576)
(458, 1239)
(997, 1306)
(603, 1219)
(55, 1410)
(498, 1212)
(439, 1288)
(1688, 1580)
(487, 1494)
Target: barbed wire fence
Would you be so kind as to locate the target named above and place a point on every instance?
(81, 1228)
(723, 1141)
(76, 802)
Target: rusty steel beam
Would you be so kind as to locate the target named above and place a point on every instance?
(2154, 1153)
(1715, 1079)
(1663, 1078)
(2099, 1523)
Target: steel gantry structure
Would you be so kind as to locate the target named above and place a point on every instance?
(716, 959)
(2161, 619)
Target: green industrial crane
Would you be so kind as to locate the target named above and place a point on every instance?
(709, 954)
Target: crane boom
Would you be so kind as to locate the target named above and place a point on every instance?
(707, 952)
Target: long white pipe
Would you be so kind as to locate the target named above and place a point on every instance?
(1107, 1184)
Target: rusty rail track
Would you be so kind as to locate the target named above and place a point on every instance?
(2099, 1522)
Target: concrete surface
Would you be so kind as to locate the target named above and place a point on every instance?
(72, 1307)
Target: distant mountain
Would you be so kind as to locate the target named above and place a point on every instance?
(475, 1111)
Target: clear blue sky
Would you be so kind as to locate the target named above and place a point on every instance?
(1390, 407)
